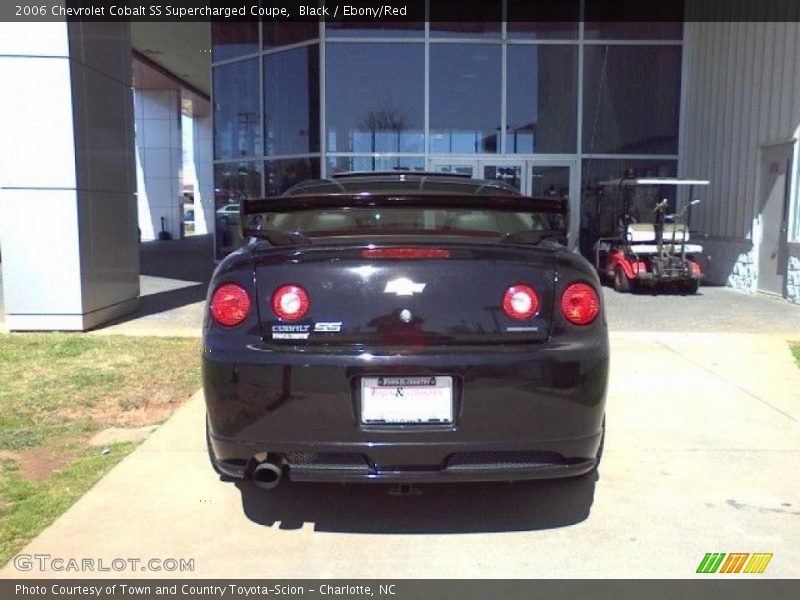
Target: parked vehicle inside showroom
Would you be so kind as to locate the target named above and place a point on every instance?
(648, 244)
(404, 328)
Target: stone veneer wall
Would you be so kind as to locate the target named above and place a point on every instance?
(730, 262)
(793, 274)
(734, 263)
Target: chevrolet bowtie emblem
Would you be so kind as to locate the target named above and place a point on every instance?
(403, 287)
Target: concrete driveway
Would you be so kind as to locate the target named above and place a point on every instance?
(701, 456)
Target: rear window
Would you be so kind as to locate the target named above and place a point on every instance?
(359, 221)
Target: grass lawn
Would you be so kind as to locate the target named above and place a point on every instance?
(56, 391)
(795, 346)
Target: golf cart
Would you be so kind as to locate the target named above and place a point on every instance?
(650, 246)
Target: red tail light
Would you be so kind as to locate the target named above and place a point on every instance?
(520, 302)
(290, 302)
(401, 253)
(580, 303)
(230, 304)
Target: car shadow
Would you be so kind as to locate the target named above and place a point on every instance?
(433, 508)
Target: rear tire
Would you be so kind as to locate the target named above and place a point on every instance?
(689, 287)
(622, 284)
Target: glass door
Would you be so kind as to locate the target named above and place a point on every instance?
(556, 179)
(508, 172)
(533, 177)
(455, 166)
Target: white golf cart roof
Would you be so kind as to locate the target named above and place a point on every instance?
(654, 181)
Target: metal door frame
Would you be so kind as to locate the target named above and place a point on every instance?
(788, 159)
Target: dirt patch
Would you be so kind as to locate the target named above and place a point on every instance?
(111, 413)
(37, 464)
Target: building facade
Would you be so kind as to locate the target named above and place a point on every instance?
(740, 129)
(552, 108)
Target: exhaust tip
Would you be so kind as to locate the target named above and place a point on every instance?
(267, 475)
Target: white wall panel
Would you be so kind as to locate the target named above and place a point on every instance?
(742, 90)
(66, 165)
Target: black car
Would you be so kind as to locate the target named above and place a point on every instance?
(404, 328)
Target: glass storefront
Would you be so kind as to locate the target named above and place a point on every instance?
(465, 105)
(291, 101)
(631, 99)
(375, 98)
(543, 104)
(237, 114)
(541, 99)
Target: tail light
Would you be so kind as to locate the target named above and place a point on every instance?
(520, 302)
(580, 303)
(230, 304)
(290, 302)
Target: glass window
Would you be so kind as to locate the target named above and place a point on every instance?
(280, 175)
(375, 97)
(447, 19)
(454, 168)
(343, 164)
(291, 101)
(631, 99)
(233, 182)
(465, 84)
(510, 174)
(550, 181)
(237, 117)
(436, 222)
(232, 39)
(633, 20)
(542, 98)
(276, 33)
(556, 19)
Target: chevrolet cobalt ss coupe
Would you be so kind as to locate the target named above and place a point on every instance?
(404, 328)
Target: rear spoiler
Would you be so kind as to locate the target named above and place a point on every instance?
(284, 204)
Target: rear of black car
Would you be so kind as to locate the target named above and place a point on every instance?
(405, 337)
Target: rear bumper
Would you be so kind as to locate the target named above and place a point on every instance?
(525, 412)
(357, 464)
(443, 475)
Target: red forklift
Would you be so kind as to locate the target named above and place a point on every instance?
(649, 245)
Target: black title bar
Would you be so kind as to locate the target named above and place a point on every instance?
(389, 11)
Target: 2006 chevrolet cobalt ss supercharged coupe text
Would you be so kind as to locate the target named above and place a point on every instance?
(404, 328)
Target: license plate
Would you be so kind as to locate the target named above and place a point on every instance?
(398, 400)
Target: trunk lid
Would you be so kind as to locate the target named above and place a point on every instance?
(357, 299)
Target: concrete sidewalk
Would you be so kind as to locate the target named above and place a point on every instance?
(701, 456)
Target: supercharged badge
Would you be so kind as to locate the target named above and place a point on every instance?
(334, 327)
